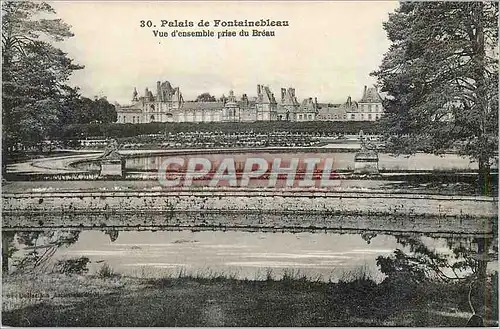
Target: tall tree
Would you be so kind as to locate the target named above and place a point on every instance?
(78, 110)
(205, 97)
(103, 111)
(441, 76)
(34, 72)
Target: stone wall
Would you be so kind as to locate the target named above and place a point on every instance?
(266, 209)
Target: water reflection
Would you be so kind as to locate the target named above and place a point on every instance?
(31, 251)
(342, 160)
(113, 234)
(250, 255)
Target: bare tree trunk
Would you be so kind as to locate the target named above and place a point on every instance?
(7, 238)
(484, 177)
(483, 298)
(4, 161)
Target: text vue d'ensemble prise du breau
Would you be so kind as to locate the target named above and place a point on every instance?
(217, 23)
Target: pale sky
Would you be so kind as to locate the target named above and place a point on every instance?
(327, 51)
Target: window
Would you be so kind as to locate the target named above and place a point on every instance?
(300, 116)
(362, 108)
(370, 107)
(376, 116)
(353, 117)
(369, 116)
(124, 119)
(362, 116)
(133, 119)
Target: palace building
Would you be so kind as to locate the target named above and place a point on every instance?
(168, 105)
(369, 108)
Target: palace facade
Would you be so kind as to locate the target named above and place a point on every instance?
(168, 105)
(368, 108)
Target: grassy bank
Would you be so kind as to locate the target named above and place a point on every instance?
(220, 300)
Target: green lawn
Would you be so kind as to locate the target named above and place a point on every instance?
(59, 300)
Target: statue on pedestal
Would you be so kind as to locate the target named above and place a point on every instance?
(134, 95)
(366, 160)
(112, 162)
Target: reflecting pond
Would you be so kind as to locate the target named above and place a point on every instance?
(341, 160)
(251, 255)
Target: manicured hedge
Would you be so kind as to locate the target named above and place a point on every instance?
(118, 130)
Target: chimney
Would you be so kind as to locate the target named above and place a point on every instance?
(283, 93)
(158, 91)
(364, 92)
(291, 91)
(316, 100)
(258, 90)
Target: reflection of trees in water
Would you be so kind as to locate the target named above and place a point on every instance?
(38, 247)
(465, 264)
(466, 259)
(41, 246)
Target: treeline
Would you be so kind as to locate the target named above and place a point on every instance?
(36, 99)
(117, 130)
(83, 110)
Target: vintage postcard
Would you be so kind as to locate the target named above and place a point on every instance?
(249, 164)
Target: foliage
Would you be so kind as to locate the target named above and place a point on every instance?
(105, 271)
(34, 72)
(423, 263)
(72, 266)
(205, 97)
(441, 76)
(82, 110)
(40, 247)
(358, 274)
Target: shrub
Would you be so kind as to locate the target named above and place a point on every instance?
(105, 271)
(72, 266)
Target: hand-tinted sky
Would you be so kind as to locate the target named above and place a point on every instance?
(328, 51)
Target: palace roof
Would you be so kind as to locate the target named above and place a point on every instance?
(202, 105)
(370, 95)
